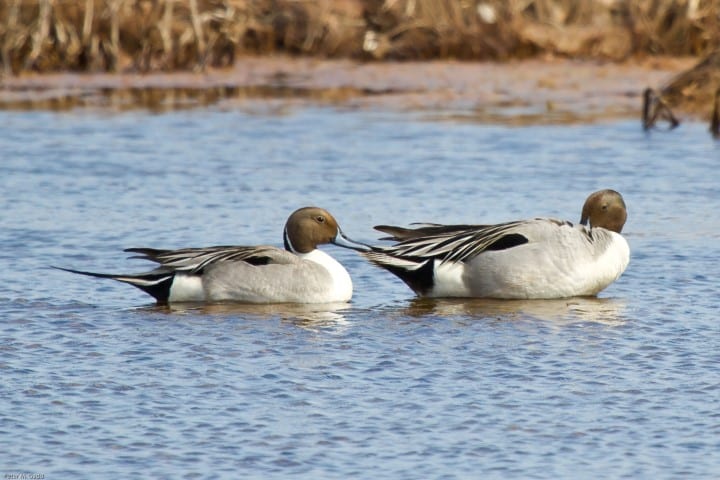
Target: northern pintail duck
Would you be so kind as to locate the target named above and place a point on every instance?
(261, 274)
(540, 258)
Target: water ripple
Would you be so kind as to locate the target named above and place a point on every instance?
(99, 383)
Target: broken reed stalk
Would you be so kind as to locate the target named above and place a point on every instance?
(199, 37)
(166, 32)
(9, 31)
(115, 7)
(655, 109)
(715, 119)
(88, 22)
(41, 34)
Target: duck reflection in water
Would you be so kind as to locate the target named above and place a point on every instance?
(609, 311)
(325, 316)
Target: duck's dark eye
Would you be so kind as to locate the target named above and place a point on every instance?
(320, 219)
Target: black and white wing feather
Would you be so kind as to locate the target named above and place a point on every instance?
(452, 243)
(400, 234)
(195, 260)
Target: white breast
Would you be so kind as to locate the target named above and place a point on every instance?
(340, 288)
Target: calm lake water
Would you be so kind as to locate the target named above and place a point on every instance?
(99, 383)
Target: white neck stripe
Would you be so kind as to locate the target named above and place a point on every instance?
(288, 244)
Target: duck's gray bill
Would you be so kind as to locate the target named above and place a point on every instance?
(342, 241)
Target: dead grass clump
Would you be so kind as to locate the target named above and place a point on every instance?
(492, 29)
(677, 27)
(695, 91)
(330, 28)
(424, 29)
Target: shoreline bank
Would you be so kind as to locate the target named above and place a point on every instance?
(513, 92)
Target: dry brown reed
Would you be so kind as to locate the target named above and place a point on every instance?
(694, 89)
(146, 35)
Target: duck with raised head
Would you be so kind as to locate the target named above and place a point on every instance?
(540, 258)
(301, 273)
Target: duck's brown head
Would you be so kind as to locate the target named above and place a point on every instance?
(309, 227)
(605, 209)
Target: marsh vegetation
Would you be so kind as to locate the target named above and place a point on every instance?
(167, 35)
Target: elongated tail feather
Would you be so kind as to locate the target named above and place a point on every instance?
(150, 254)
(155, 283)
(397, 234)
(400, 234)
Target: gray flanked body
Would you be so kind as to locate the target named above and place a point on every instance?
(313, 277)
(260, 274)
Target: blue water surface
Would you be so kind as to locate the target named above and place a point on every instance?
(99, 383)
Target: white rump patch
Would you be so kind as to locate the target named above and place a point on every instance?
(186, 288)
(449, 280)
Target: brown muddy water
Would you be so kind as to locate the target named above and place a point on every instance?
(99, 383)
(529, 92)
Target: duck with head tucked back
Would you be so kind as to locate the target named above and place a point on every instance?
(259, 274)
(540, 258)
